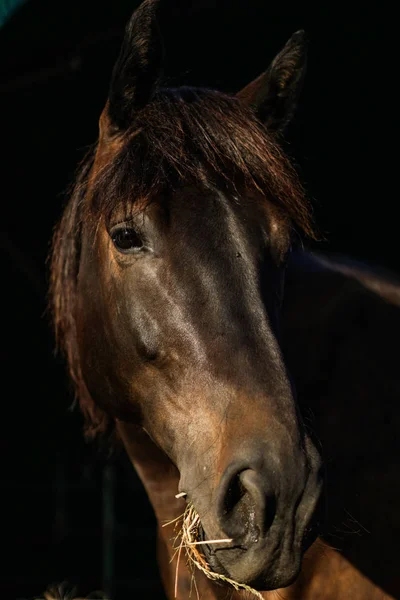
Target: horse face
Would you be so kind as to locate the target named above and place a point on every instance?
(178, 323)
(177, 307)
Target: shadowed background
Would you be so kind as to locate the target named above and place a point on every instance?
(70, 512)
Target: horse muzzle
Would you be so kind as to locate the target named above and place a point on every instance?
(269, 516)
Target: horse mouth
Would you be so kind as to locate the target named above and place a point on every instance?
(215, 557)
(264, 581)
(210, 553)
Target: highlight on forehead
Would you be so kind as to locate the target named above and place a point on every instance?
(203, 137)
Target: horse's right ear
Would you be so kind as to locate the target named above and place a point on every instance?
(274, 94)
(138, 66)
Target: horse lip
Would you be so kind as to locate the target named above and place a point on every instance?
(262, 581)
(272, 573)
(213, 561)
(210, 552)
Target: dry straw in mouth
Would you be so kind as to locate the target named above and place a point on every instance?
(190, 534)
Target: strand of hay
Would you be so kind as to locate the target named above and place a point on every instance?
(190, 534)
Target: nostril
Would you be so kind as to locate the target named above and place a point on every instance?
(234, 494)
(263, 498)
(246, 510)
(236, 508)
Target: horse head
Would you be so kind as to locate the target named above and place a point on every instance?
(168, 270)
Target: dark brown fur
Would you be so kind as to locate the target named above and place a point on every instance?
(177, 148)
(179, 137)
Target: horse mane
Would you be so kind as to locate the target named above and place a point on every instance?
(64, 267)
(184, 135)
(204, 137)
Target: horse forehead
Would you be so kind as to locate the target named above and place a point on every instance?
(246, 221)
(208, 210)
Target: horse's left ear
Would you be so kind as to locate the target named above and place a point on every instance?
(274, 94)
(138, 66)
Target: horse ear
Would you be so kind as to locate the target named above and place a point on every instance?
(273, 95)
(138, 66)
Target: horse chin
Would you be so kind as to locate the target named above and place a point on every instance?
(256, 567)
(252, 567)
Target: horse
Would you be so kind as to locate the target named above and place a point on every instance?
(227, 360)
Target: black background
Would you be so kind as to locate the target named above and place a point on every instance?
(56, 61)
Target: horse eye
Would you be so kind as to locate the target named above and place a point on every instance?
(126, 239)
